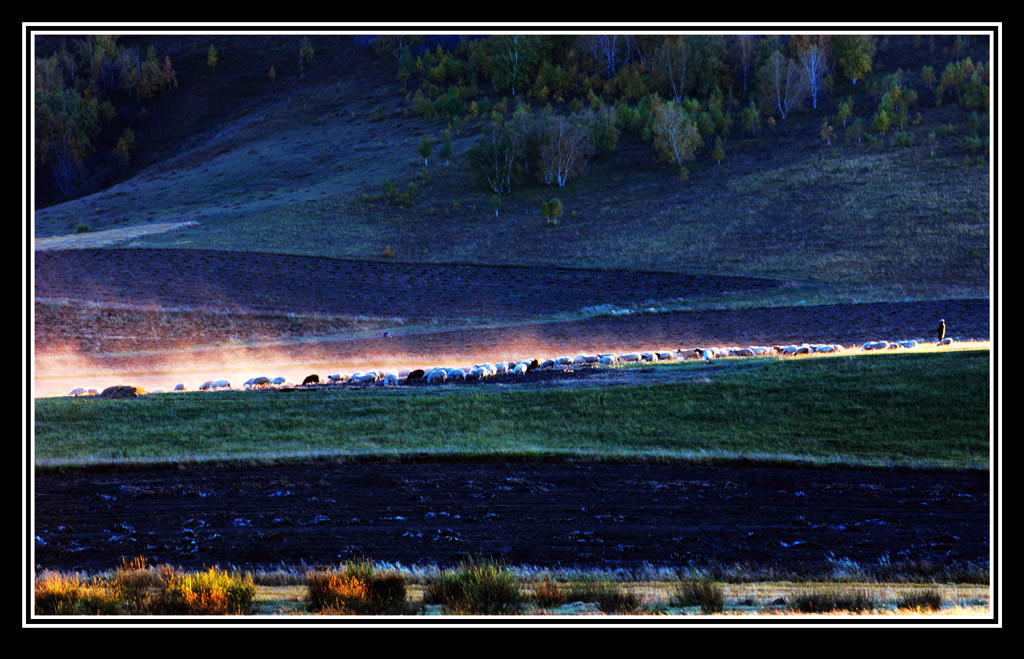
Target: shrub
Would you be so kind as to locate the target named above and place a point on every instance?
(487, 589)
(377, 113)
(388, 253)
(704, 593)
(358, 589)
(213, 592)
(904, 139)
(825, 601)
(82, 228)
(920, 599)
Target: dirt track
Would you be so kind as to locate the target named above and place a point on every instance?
(567, 515)
(274, 282)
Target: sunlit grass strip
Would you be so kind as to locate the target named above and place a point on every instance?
(135, 589)
(913, 410)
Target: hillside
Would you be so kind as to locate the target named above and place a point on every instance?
(299, 166)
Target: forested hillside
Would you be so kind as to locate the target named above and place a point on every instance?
(724, 149)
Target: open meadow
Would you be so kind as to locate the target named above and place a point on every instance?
(294, 353)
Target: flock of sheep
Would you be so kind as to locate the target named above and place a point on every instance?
(477, 372)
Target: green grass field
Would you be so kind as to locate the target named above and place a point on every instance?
(916, 410)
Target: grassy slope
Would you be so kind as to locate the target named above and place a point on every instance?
(299, 170)
(885, 409)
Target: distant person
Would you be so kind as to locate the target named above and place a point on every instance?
(940, 332)
(386, 334)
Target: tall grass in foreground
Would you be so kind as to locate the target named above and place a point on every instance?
(485, 588)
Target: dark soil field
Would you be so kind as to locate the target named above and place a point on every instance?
(587, 516)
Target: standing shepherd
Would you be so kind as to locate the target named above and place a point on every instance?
(941, 330)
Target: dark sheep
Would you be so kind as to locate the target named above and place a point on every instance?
(415, 376)
(311, 379)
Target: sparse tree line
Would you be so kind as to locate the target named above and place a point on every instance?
(73, 87)
(683, 94)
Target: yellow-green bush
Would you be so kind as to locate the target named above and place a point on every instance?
(213, 592)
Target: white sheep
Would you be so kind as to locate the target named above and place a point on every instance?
(910, 343)
(206, 385)
(630, 357)
(278, 381)
(158, 390)
(520, 369)
(741, 352)
(181, 386)
(363, 378)
(607, 360)
(760, 351)
(220, 384)
(335, 378)
(547, 364)
(436, 376)
(665, 355)
(79, 391)
(875, 345)
(945, 342)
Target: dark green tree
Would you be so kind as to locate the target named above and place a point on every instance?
(425, 148)
(445, 151)
(853, 55)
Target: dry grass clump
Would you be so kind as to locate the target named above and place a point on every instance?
(609, 596)
(828, 600)
(357, 589)
(548, 594)
(705, 593)
(920, 600)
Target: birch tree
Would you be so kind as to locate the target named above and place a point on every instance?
(815, 66)
(782, 83)
(672, 66)
(565, 148)
(675, 134)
